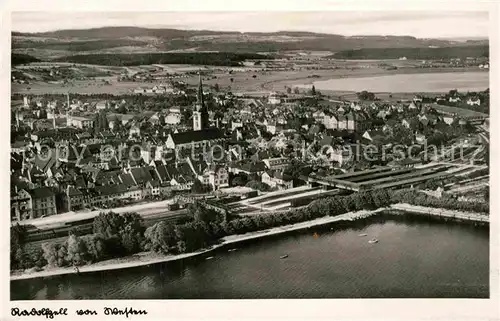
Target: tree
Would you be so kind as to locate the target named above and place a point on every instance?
(50, 253)
(313, 90)
(365, 95)
(108, 224)
(76, 251)
(96, 248)
(18, 234)
(402, 135)
(199, 188)
(161, 237)
(239, 180)
(125, 231)
(254, 184)
(216, 87)
(288, 90)
(202, 214)
(132, 233)
(296, 90)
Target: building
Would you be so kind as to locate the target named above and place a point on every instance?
(276, 163)
(474, 101)
(43, 202)
(20, 205)
(277, 179)
(218, 177)
(200, 114)
(173, 118)
(79, 122)
(202, 136)
(274, 99)
(195, 139)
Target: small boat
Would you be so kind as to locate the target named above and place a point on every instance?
(284, 256)
(372, 241)
(209, 258)
(363, 234)
(231, 250)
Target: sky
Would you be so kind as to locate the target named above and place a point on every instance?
(421, 24)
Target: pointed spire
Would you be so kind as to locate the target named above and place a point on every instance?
(200, 91)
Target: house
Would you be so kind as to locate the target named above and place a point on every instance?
(79, 122)
(372, 135)
(473, 101)
(319, 116)
(340, 155)
(412, 106)
(428, 119)
(134, 131)
(274, 99)
(173, 118)
(247, 167)
(101, 105)
(43, 202)
(273, 127)
(153, 187)
(236, 124)
(330, 121)
(20, 204)
(420, 138)
(406, 123)
(276, 163)
(154, 119)
(448, 119)
(454, 99)
(277, 179)
(75, 198)
(218, 176)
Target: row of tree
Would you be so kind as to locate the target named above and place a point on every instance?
(121, 235)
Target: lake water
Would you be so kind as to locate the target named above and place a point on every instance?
(426, 82)
(412, 260)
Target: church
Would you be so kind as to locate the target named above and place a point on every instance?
(202, 134)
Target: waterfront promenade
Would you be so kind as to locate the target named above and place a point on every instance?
(466, 216)
(148, 258)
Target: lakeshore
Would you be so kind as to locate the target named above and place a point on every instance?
(148, 258)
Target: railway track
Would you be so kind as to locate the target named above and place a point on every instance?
(85, 227)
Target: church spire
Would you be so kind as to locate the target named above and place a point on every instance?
(200, 93)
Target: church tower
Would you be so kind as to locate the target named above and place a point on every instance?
(200, 113)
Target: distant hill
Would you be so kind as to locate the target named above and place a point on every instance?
(20, 59)
(135, 39)
(415, 53)
(195, 58)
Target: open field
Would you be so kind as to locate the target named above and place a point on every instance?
(239, 80)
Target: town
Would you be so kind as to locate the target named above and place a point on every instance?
(124, 160)
(76, 157)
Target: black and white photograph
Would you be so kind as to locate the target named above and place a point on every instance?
(161, 155)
